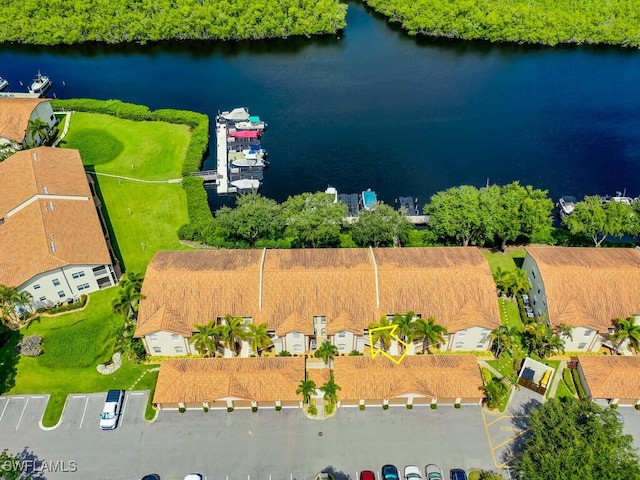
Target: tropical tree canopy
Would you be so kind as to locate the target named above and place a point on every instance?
(381, 227)
(203, 340)
(306, 388)
(258, 337)
(571, 440)
(232, 332)
(429, 332)
(327, 351)
(600, 220)
(381, 333)
(14, 306)
(626, 329)
(254, 218)
(313, 220)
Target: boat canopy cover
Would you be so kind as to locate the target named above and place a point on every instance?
(245, 134)
(255, 146)
(236, 115)
(254, 119)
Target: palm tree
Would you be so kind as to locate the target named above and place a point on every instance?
(429, 332)
(626, 329)
(564, 330)
(501, 277)
(330, 389)
(405, 325)
(203, 340)
(381, 333)
(132, 278)
(503, 339)
(520, 282)
(14, 306)
(127, 301)
(258, 337)
(554, 344)
(306, 388)
(232, 332)
(327, 351)
(37, 127)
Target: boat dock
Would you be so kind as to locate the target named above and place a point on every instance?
(354, 202)
(240, 160)
(20, 95)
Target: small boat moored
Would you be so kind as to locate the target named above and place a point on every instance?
(41, 83)
(566, 204)
(240, 114)
(3, 84)
(369, 199)
(619, 197)
(254, 123)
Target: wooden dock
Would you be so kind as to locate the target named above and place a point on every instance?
(222, 177)
(207, 175)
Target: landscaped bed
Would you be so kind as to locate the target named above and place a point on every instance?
(73, 345)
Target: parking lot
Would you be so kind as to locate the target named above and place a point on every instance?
(242, 445)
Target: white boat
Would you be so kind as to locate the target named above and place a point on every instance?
(566, 204)
(246, 184)
(254, 154)
(254, 123)
(3, 84)
(333, 192)
(619, 197)
(240, 114)
(247, 162)
(41, 83)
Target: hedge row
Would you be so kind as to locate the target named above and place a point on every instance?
(198, 122)
(200, 226)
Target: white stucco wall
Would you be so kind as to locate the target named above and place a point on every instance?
(584, 340)
(294, 342)
(474, 338)
(45, 113)
(167, 344)
(59, 285)
(345, 341)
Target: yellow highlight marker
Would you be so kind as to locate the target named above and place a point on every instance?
(376, 351)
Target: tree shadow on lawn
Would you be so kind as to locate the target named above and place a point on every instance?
(521, 422)
(9, 358)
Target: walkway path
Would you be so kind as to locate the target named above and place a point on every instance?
(484, 364)
(556, 379)
(171, 180)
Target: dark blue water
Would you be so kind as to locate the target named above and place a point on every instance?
(376, 109)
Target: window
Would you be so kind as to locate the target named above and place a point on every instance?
(175, 337)
(84, 286)
(36, 286)
(533, 273)
(179, 350)
(297, 335)
(153, 337)
(297, 348)
(56, 282)
(342, 334)
(462, 333)
(43, 299)
(78, 275)
(480, 345)
(588, 333)
(61, 294)
(342, 347)
(539, 291)
(157, 350)
(247, 320)
(99, 270)
(582, 346)
(458, 345)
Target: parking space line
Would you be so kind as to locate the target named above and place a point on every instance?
(133, 394)
(511, 439)
(86, 402)
(37, 396)
(5, 407)
(486, 427)
(22, 414)
(124, 409)
(79, 396)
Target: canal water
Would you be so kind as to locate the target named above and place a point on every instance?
(374, 108)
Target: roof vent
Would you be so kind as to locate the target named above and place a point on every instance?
(1, 220)
(46, 190)
(51, 206)
(53, 247)
(35, 157)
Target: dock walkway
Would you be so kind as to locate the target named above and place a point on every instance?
(222, 177)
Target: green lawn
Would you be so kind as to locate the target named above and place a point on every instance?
(144, 150)
(509, 314)
(506, 261)
(142, 218)
(74, 344)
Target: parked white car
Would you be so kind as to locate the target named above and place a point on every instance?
(112, 408)
(411, 472)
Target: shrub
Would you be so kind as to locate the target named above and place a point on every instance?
(254, 409)
(182, 409)
(354, 353)
(229, 409)
(385, 406)
(200, 226)
(576, 380)
(278, 408)
(361, 407)
(637, 407)
(82, 301)
(456, 405)
(329, 407)
(205, 408)
(284, 353)
(614, 406)
(312, 410)
(409, 406)
(434, 406)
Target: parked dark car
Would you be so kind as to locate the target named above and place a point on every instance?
(458, 474)
(151, 476)
(367, 475)
(390, 472)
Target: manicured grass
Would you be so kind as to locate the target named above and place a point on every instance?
(506, 261)
(509, 314)
(504, 364)
(155, 150)
(74, 344)
(142, 218)
(568, 380)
